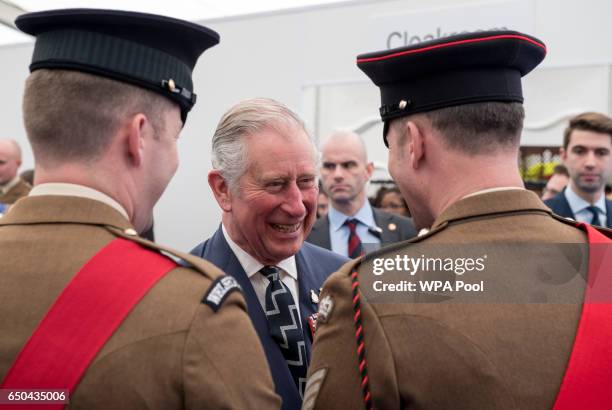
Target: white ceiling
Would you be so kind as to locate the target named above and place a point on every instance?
(193, 10)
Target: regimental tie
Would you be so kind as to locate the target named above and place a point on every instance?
(284, 325)
(355, 248)
(595, 220)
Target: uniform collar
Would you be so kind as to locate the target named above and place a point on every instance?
(9, 185)
(251, 266)
(491, 202)
(81, 191)
(44, 209)
(364, 215)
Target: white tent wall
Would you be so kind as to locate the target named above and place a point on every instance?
(306, 59)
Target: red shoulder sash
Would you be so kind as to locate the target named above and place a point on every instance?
(84, 316)
(587, 383)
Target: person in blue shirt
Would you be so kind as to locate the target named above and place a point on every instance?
(352, 226)
(587, 154)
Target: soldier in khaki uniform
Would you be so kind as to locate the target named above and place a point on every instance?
(453, 118)
(107, 98)
(12, 187)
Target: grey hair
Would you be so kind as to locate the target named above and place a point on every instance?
(229, 152)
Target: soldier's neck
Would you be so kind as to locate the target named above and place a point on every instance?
(481, 175)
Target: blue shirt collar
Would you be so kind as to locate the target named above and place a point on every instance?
(577, 204)
(364, 215)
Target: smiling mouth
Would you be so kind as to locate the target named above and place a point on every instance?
(287, 228)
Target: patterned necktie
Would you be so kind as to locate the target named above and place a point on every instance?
(593, 210)
(284, 325)
(355, 249)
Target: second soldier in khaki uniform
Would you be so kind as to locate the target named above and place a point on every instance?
(453, 118)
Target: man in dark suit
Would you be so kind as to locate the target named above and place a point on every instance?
(265, 181)
(352, 226)
(12, 186)
(587, 154)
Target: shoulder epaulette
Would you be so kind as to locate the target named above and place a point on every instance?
(204, 267)
(569, 221)
(423, 234)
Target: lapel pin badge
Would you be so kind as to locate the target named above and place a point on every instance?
(314, 296)
(392, 226)
(325, 308)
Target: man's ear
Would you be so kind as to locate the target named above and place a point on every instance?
(134, 130)
(415, 144)
(370, 169)
(220, 189)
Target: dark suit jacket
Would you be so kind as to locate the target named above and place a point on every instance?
(559, 205)
(404, 229)
(314, 265)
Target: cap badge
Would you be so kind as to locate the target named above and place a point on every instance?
(403, 104)
(314, 296)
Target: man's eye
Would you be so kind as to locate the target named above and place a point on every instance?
(329, 166)
(306, 182)
(275, 186)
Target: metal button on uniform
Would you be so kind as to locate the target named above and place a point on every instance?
(423, 231)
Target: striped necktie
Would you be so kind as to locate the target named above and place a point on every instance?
(284, 325)
(355, 248)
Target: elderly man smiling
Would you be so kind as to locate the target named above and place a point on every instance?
(265, 182)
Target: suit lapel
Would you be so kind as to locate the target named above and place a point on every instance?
(320, 235)
(219, 253)
(383, 222)
(564, 206)
(306, 283)
(609, 213)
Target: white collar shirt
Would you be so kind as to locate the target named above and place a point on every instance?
(251, 266)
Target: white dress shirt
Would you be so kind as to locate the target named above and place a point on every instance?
(579, 207)
(288, 272)
(339, 233)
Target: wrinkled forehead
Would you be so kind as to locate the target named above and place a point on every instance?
(270, 152)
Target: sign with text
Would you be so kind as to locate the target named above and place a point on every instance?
(403, 29)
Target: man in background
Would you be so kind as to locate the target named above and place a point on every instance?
(265, 182)
(556, 183)
(352, 226)
(587, 154)
(322, 203)
(12, 187)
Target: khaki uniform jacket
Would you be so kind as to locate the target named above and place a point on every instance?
(19, 190)
(171, 351)
(452, 354)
